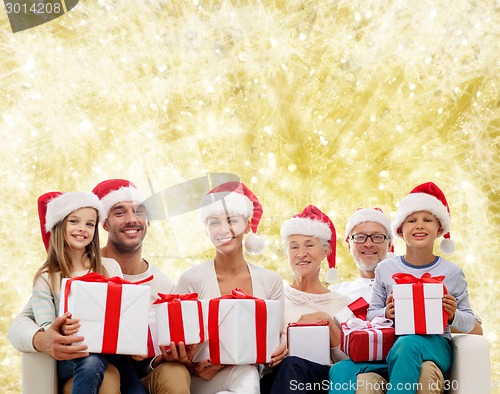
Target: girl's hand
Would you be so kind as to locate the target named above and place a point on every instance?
(389, 308)
(70, 326)
(278, 355)
(450, 306)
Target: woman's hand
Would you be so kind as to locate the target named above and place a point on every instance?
(278, 355)
(315, 318)
(389, 307)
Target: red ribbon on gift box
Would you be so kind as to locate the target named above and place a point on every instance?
(113, 305)
(418, 297)
(260, 325)
(175, 321)
(359, 308)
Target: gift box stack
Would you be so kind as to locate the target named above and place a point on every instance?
(418, 304)
(309, 341)
(113, 312)
(241, 329)
(366, 341)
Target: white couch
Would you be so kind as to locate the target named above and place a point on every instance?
(470, 372)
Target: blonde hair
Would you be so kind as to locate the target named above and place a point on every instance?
(58, 260)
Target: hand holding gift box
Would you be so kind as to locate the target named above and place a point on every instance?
(309, 341)
(418, 304)
(179, 318)
(366, 341)
(241, 329)
(113, 312)
(356, 309)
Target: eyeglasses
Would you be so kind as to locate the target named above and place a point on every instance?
(376, 238)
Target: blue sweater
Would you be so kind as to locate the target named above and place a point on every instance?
(454, 280)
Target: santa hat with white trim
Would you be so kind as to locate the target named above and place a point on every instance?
(426, 197)
(235, 197)
(113, 191)
(376, 215)
(311, 221)
(53, 207)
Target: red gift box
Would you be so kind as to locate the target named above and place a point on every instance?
(418, 304)
(179, 318)
(365, 341)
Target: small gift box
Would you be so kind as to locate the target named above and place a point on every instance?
(365, 341)
(418, 304)
(241, 329)
(113, 312)
(179, 318)
(309, 341)
(356, 309)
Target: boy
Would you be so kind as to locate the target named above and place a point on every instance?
(422, 217)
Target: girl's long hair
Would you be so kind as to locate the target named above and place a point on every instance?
(58, 259)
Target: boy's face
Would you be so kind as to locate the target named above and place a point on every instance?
(420, 229)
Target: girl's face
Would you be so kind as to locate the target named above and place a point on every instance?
(305, 254)
(420, 229)
(80, 228)
(226, 230)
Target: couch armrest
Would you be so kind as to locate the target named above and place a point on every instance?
(470, 371)
(39, 374)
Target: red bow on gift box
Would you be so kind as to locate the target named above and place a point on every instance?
(418, 296)
(175, 321)
(260, 325)
(113, 305)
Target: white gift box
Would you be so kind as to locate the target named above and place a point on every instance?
(232, 329)
(428, 317)
(310, 342)
(182, 324)
(123, 330)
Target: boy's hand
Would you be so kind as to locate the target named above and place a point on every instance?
(70, 326)
(389, 307)
(450, 306)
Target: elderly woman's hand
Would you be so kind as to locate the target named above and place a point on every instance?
(315, 318)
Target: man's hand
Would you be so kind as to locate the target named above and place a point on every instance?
(58, 346)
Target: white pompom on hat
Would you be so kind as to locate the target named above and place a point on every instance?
(363, 215)
(235, 197)
(113, 191)
(53, 207)
(311, 221)
(426, 197)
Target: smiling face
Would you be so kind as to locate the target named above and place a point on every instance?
(420, 230)
(226, 231)
(305, 254)
(367, 255)
(127, 225)
(80, 228)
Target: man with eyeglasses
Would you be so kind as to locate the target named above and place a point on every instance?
(369, 237)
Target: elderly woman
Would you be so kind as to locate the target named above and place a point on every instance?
(309, 238)
(230, 211)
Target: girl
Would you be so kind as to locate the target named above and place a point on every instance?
(69, 224)
(229, 212)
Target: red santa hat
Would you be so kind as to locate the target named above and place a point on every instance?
(53, 207)
(113, 191)
(235, 197)
(426, 197)
(311, 221)
(363, 215)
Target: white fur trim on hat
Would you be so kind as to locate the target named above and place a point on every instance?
(122, 194)
(364, 215)
(305, 226)
(61, 206)
(216, 203)
(415, 202)
(254, 244)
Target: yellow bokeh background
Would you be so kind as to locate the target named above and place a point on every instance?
(341, 104)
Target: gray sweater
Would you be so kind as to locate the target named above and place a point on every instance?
(454, 280)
